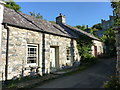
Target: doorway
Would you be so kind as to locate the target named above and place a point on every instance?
(95, 50)
(54, 59)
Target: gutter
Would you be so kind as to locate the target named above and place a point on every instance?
(45, 32)
(7, 49)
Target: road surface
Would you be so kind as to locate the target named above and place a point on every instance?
(93, 77)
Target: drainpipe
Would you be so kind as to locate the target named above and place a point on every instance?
(7, 49)
(43, 53)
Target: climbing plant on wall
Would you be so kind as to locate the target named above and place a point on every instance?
(84, 45)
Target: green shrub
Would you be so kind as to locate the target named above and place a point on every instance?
(112, 83)
(89, 59)
(84, 45)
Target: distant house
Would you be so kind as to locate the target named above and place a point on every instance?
(105, 25)
(31, 45)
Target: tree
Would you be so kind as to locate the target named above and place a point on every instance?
(109, 40)
(11, 4)
(116, 9)
(97, 26)
(53, 22)
(109, 36)
(83, 27)
(37, 15)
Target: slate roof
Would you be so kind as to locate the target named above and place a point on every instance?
(19, 19)
(77, 32)
(14, 18)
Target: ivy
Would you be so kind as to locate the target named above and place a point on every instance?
(84, 45)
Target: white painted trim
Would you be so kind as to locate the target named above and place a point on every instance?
(32, 64)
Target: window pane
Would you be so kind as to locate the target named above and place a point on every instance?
(31, 49)
(32, 54)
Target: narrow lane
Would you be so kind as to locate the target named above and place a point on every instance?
(93, 77)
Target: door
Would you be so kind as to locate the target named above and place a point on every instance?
(95, 50)
(52, 59)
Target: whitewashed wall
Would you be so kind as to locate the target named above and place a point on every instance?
(99, 47)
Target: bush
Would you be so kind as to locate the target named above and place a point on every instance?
(112, 83)
(89, 59)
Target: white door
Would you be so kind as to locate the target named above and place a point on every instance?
(52, 57)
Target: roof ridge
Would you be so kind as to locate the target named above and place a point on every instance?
(81, 31)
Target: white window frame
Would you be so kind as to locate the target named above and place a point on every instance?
(32, 64)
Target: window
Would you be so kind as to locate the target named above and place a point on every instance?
(68, 53)
(32, 54)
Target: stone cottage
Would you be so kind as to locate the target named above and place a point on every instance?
(32, 46)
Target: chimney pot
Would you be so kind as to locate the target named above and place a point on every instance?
(61, 14)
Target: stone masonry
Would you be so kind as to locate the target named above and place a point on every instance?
(18, 40)
(117, 34)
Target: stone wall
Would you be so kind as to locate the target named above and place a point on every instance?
(1, 20)
(117, 34)
(61, 43)
(18, 40)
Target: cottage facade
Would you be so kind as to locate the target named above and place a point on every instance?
(33, 46)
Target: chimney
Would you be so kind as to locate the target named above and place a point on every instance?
(86, 26)
(61, 19)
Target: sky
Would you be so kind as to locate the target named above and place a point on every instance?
(77, 13)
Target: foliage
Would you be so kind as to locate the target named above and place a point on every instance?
(116, 9)
(112, 83)
(83, 27)
(37, 15)
(84, 45)
(91, 30)
(53, 22)
(97, 26)
(109, 40)
(11, 4)
(89, 59)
